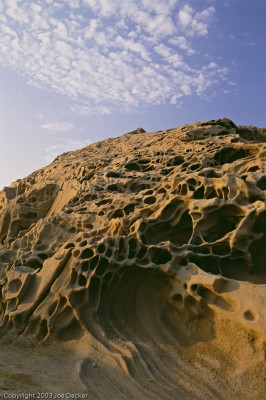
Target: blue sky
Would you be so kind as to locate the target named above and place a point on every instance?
(73, 72)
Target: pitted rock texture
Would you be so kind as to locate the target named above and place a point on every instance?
(132, 238)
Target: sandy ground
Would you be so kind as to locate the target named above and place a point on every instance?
(228, 364)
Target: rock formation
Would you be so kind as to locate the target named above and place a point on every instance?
(153, 246)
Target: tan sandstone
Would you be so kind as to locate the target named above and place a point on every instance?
(135, 268)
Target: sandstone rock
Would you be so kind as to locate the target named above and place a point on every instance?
(136, 131)
(130, 236)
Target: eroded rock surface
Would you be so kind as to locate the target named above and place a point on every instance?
(125, 236)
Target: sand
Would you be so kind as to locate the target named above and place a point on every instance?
(135, 269)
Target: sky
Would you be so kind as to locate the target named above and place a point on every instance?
(73, 72)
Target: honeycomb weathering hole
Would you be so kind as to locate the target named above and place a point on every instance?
(249, 315)
(87, 253)
(230, 154)
(160, 256)
(14, 286)
(178, 233)
(138, 294)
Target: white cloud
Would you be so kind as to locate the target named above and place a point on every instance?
(57, 127)
(65, 145)
(182, 43)
(107, 55)
(73, 3)
(16, 13)
(195, 23)
(91, 29)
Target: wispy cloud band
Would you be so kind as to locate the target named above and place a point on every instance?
(64, 145)
(57, 127)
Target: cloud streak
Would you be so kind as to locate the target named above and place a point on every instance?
(65, 145)
(108, 56)
(58, 127)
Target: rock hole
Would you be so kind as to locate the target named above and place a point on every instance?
(230, 154)
(150, 200)
(34, 263)
(121, 244)
(77, 297)
(249, 315)
(85, 266)
(193, 167)
(133, 166)
(76, 253)
(69, 246)
(253, 169)
(82, 281)
(210, 193)
(14, 286)
(166, 171)
(175, 161)
(221, 249)
(171, 209)
(212, 298)
(112, 188)
(261, 184)
(132, 244)
(199, 193)
(164, 231)
(103, 202)
(192, 182)
(109, 253)
(183, 189)
(111, 242)
(207, 263)
(87, 253)
(101, 248)
(129, 208)
(117, 214)
(94, 262)
(142, 226)
(160, 256)
(220, 222)
(12, 305)
(210, 173)
(113, 174)
(202, 249)
(31, 215)
(142, 253)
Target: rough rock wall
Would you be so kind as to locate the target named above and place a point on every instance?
(182, 209)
